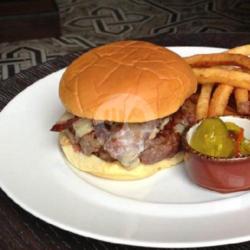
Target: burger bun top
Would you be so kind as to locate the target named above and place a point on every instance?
(126, 81)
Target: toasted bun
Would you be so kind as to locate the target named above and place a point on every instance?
(126, 81)
(112, 170)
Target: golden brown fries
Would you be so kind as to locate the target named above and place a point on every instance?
(203, 101)
(230, 71)
(241, 97)
(208, 60)
(243, 50)
(219, 100)
(234, 78)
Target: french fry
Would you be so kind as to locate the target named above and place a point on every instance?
(234, 78)
(203, 101)
(219, 100)
(241, 96)
(208, 60)
(243, 50)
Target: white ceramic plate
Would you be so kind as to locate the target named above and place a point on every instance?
(165, 210)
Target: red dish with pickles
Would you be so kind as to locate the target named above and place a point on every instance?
(217, 153)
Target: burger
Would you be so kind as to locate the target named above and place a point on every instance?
(127, 104)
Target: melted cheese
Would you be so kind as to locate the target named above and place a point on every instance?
(82, 127)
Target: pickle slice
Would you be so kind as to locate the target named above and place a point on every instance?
(211, 138)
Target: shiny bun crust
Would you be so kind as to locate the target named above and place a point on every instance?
(126, 81)
(111, 170)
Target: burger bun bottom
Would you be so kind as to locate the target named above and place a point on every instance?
(112, 170)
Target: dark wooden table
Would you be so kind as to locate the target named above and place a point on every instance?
(21, 230)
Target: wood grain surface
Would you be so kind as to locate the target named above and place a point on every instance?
(21, 230)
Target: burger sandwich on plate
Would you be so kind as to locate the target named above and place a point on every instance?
(127, 104)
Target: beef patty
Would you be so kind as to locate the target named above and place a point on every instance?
(131, 143)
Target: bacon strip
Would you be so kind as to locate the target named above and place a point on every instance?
(60, 126)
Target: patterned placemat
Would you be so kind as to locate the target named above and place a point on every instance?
(88, 23)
